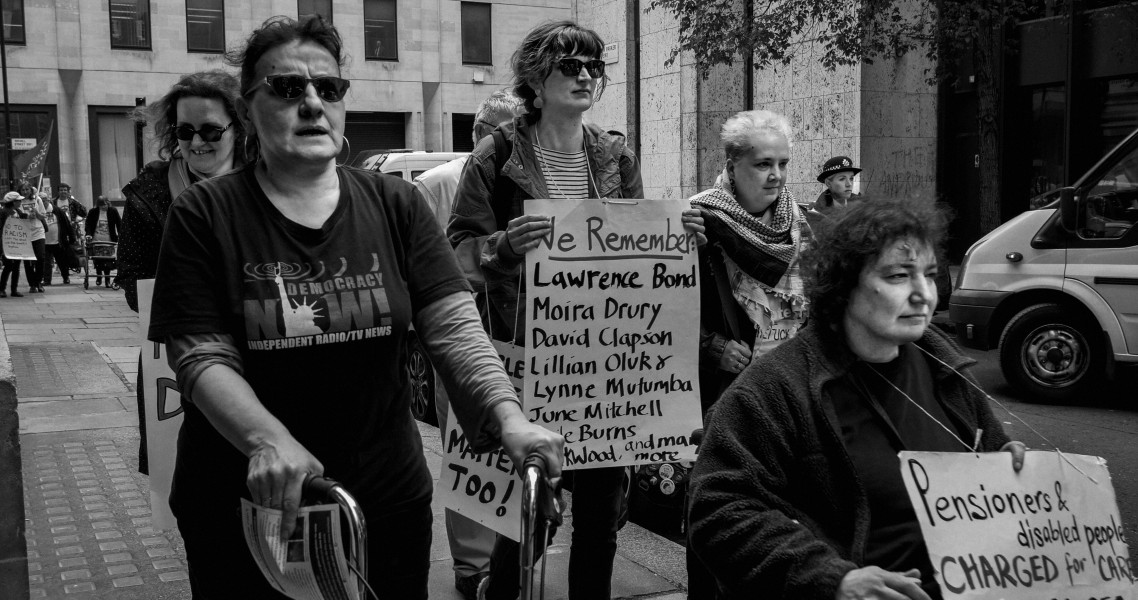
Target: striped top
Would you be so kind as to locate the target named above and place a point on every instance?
(566, 173)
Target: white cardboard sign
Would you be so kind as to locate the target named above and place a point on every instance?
(483, 487)
(163, 414)
(612, 331)
(1052, 531)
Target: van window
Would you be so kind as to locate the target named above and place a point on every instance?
(415, 174)
(1111, 208)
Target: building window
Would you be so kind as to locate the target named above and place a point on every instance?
(115, 145)
(205, 26)
(462, 132)
(380, 37)
(130, 24)
(13, 22)
(315, 7)
(476, 48)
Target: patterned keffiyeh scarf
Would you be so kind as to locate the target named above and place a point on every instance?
(762, 251)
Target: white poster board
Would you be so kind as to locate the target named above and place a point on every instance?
(163, 414)
(483, 487)
(612, 331)
(1052, 531)
(17, 239)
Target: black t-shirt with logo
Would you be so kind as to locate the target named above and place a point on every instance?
(319, 316)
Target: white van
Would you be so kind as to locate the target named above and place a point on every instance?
(1056, 288)
(408, 164)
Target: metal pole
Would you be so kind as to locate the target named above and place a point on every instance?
(7, 119)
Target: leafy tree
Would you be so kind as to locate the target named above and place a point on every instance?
(717, 32)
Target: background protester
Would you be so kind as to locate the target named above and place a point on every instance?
(103, 226)
(10, 209)
(75, 208)
(198, 136)
(552, 153)
(58, 239)
(797, 492)
(269, 398)
(37, 214)
(470, 543)
(752, 298)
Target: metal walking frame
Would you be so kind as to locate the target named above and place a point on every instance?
(541, 515)
(97, 250)
(322, 489)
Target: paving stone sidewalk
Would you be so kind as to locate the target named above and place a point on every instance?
(89, 535)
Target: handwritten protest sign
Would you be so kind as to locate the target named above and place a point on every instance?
(483, 487)
(612, 331)
(17, 239)
(163, 414)
(1052, 531)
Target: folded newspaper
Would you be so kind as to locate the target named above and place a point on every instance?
(310, 565)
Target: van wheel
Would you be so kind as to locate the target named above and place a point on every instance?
(422, 376)
(1050, 354)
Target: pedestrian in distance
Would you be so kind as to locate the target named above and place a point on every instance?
(35, 210)
(199, 137)
(284, 294)
(102, 225)
(11, 208)
(550, 152)
(797, 491)
(837, 176)
(58, 239)
(75, 208)
(470, 543)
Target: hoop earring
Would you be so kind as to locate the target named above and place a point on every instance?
(249, 156)
(347, 143)
(538, 102)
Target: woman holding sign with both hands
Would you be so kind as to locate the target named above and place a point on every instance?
(797, 492)
(552, 153)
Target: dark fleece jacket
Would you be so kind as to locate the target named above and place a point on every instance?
(776, 509)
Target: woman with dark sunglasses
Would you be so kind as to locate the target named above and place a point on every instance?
(559, 74)
(198, 137)
(285, 293)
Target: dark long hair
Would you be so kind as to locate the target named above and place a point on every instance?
(845, 245)
(203, 84)
(542, 48)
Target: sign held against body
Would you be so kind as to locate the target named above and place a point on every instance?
(1052, 531)
(612, 331)
(484, 487)
(163, 414)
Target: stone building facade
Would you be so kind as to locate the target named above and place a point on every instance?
(882, 115)
(65, 71)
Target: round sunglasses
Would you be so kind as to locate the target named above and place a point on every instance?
(291, 87)
(208, 133)
(571, 67)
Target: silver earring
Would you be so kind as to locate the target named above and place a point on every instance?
(249, 156)
(538, 102)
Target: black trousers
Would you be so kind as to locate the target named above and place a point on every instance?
(34, 268)
(58, 252)
(221, 567)
(11, 267)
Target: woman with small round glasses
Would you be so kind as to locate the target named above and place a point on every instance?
(285, 291)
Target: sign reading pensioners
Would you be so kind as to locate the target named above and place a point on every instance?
(1052, 531)
(612, 331)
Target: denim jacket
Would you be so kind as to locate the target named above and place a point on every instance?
(473, 229)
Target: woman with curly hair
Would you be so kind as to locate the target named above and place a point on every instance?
(199, 135)
(797, 492)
